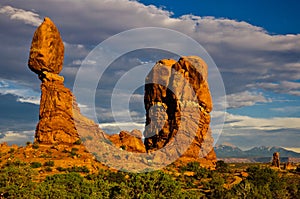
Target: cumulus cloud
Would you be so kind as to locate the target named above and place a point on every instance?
(245, 98)
(19, 138)
(245, 131)
(243, 51)
(266, 124)
(287, 87)
(23, 94)
(113, 128)
(27, 17)
(249, 58)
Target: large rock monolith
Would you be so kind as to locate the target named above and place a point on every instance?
(178, 105)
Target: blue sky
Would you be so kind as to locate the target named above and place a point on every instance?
(255, 44)
(277, 17)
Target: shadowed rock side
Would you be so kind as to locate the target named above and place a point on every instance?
(178, 102)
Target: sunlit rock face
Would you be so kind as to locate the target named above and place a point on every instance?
(178, 105)
(177, 102)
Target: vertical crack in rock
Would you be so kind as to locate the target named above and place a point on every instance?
(166, 96)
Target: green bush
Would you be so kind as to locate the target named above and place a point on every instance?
(73, 152)
(17, 181)
(78, 142)
(263, 183)
(191, 166)
(222, 167)
(48, 169)
(35, 145)
(61, 169)
(35, 164)
(11, 150)
(80, 169)
(49, 163)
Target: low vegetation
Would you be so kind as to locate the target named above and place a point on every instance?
(19, 180)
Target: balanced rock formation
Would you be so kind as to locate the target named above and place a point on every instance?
(59, 117)
(47, 49)
(178, 102)
(60, 120)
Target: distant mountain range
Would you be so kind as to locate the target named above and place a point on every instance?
(230, 151)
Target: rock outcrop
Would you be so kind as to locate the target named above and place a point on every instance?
(47, 49)
(60, 120)
(275, 160)
(59, 117)
(129, 141)
(178, 102)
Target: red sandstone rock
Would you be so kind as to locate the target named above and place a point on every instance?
(60, 118)
(129, 141)
(47, 49)
(180, 94)
(178, 103)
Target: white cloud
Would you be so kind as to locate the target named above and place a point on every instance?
(266, 124)
(287, 87)
(293, 149)
(287, 109)
(243, 52)
(19, 138)
(27, 17)
(30, 100)
(247, 132)
(24, 94)
(245, 98)
(116, 127)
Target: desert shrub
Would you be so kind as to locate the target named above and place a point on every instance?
(35, 164)
(222, 167)
(200, 172)
(61, 169)
(48, 169)
(35, 145)
(145, 185)
(191, 166)
(49, 163)
(82, 169)
(73, 151)
(78, 142)
(11, 150)
(262, 183)
(216, 186)
(70, 185)
(17, 181)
